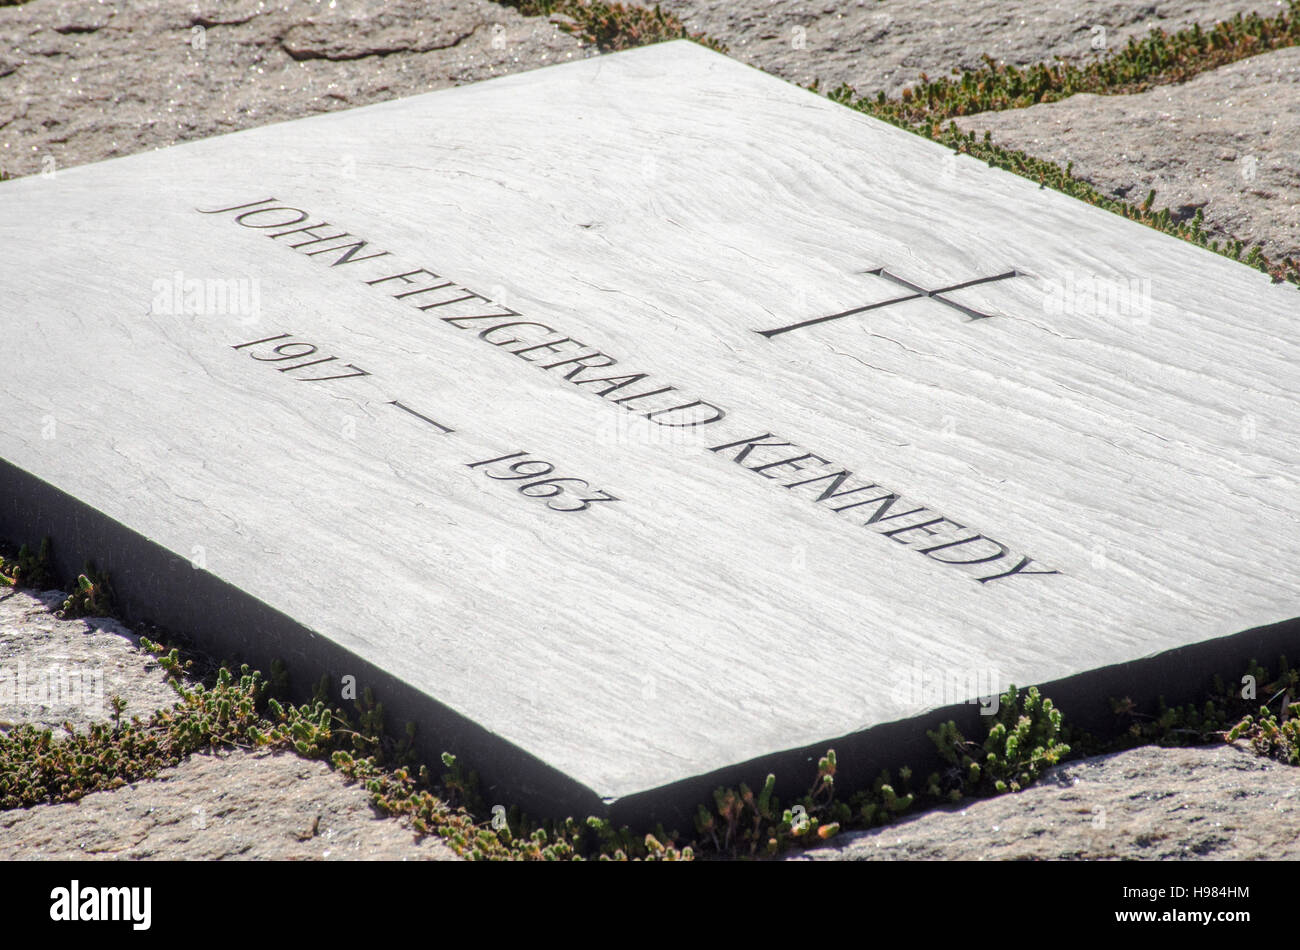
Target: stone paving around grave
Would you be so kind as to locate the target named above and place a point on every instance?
(1146, 804)
(76, 87)
(83, 664)
(875, 45)
(1226, 142)
(84, 82)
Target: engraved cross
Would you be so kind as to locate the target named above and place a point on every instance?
(916, 294)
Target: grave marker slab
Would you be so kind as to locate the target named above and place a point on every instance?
(644, 420)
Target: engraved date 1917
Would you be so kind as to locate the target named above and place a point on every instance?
(534, 476)
(296, 350)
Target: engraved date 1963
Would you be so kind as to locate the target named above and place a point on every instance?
(534, 476)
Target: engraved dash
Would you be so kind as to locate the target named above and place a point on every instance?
(419, 415)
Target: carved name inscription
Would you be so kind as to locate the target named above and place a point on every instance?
(941, 540)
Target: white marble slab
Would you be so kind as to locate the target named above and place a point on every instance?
(1122, 411)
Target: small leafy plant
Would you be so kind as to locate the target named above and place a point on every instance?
(25, 569)
(92, 596)
(1024, 739)
(1274, 729)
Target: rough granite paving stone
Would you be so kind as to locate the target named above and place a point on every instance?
(873, 45)
(875, 410)
(1216, 803)
(1227, 141)
(81, 82)
(233, 805)
(54, 671)
(228, 806)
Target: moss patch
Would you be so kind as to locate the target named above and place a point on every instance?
(1160, 58)
(613, 26)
